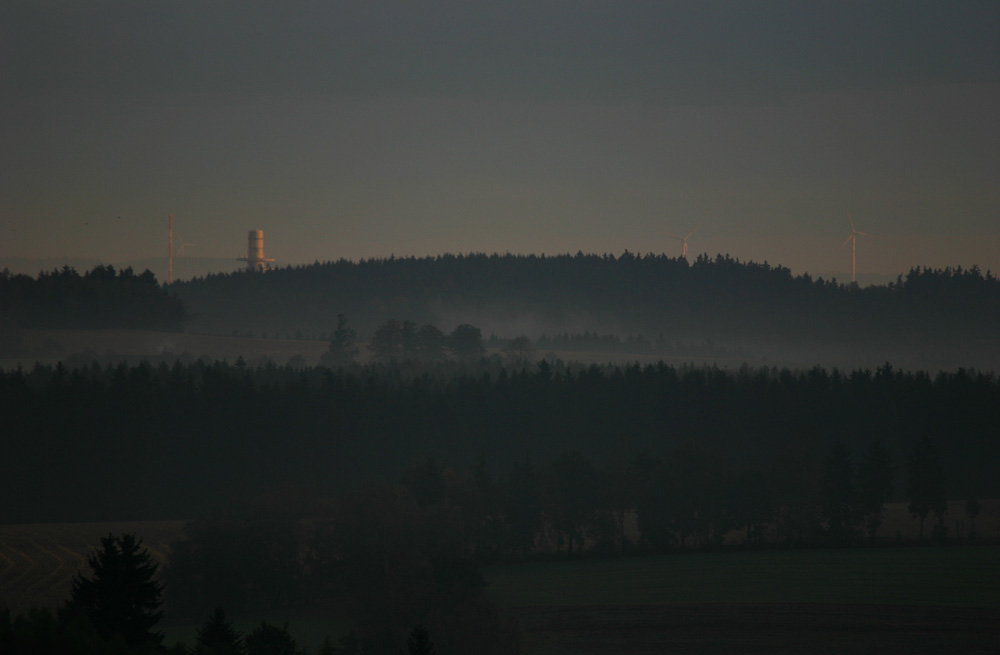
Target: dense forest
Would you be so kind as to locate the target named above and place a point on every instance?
(184, 438)
(100, 298)
(927, 319)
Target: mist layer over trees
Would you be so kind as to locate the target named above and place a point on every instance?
(189, 437)
(926, 319)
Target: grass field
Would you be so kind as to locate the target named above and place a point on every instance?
(882, 600)
(961, 576)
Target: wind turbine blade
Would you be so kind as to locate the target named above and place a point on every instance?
(693, 231)
(863, 234)
(851, 222)
(846, 240)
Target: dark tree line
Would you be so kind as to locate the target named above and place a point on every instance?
(100, 298)
(394, 556)
(185, 437)
(409, 552)
(403, 559)
(925, 319)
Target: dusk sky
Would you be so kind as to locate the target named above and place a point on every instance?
(365, 129)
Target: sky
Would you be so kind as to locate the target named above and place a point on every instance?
(369, 129)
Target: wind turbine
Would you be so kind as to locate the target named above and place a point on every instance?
(684, 240)
(853, 238)
(170, 248)
(183, 245)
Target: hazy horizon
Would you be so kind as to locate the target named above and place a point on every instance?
(376, 129)
(188, 267)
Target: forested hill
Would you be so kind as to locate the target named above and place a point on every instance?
(926, 319)
(99, 298)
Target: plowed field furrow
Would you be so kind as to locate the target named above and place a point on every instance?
(51, 567)
(78, 560)
(6, 564)
(24, 570)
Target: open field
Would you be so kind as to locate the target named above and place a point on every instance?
(963, 576)
(767, 629)
(881, 600)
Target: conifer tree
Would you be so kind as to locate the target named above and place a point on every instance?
(267, 639)
(218, 636)
(419, 642)
(122, 599)
(342, 348)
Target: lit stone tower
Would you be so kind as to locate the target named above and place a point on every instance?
(255, 252)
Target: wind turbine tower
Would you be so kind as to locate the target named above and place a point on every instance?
(853, 238)
(684, 240)
(170, 248)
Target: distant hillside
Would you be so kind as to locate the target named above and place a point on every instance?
(926, 319)
(99, 298)
(185, 267)
(33, 266)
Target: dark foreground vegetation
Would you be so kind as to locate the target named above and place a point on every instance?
(926, 319)
(382, 490)
(116, 607)
(388, 575)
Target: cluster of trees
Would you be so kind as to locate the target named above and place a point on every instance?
(925, 319)
(410, 551)
(100, 298)
(404, 341)
(439, 525)
(399, 554)
(75, 437)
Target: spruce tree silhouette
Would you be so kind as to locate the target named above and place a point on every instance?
(342, 348)
(122, 599)
(267, 639)
(419, 642)
(218, 636)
